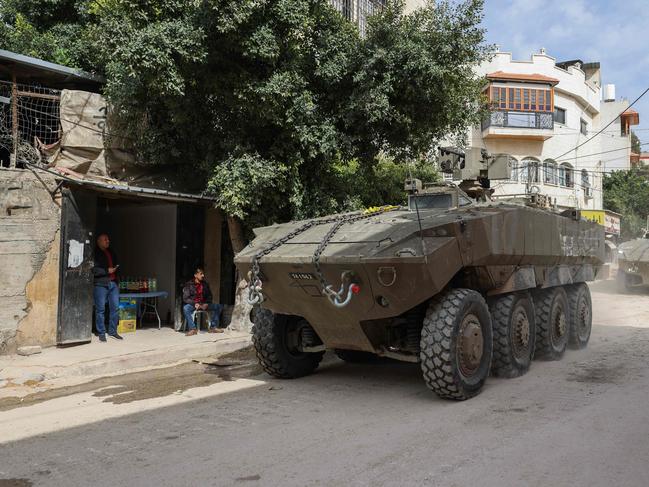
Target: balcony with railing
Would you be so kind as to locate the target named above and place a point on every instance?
(522, 105)
(530, 125)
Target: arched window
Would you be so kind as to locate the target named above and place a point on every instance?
(565, 175)
(515, 168)
(585, 183)
(529, 170)
(549, 172)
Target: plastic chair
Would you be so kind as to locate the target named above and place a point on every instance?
(179, 320)
(180, 324)
(202, 315)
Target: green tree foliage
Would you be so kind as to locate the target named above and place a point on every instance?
(627, 193)
(54, 30)
(278, 107)
(413, 78)
(381, 183)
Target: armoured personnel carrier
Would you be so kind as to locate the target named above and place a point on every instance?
(633, 264)
(460, 287)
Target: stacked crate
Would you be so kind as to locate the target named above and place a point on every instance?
(127, 316)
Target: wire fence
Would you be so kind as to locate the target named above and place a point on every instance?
(29, 123)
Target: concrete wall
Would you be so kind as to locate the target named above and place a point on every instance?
(613, 140)
(29, 260)
(144, 238)
(580, 97)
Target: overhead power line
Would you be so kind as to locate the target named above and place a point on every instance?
(597, 153)
(604, 127)
(568, 159)
(542, 172)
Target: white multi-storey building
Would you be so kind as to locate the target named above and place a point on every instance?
(359, 10)
(541, 111)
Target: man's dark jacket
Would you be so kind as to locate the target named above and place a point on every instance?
(189, 292)
(100, 269)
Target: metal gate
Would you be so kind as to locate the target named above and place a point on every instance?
(79, 209)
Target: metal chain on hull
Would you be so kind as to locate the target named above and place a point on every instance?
(255, 295)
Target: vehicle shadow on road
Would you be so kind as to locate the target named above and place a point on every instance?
(370, 381)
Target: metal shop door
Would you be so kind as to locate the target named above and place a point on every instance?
(78, 215)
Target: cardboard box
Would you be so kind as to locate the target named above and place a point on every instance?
(127, 309)
(126, 326)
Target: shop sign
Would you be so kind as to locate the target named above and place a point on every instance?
(612, 224)
(595, 216)
(610, 221)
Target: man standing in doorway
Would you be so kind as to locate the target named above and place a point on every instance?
(198, 297)
(106, 289)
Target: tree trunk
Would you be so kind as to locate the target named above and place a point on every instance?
(241, 312)
(237, 237)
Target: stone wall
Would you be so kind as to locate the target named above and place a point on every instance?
(29, 259)
(241, 310)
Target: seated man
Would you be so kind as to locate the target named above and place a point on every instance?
(197, 296)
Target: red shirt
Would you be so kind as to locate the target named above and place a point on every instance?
(199, 292)
(109, 257)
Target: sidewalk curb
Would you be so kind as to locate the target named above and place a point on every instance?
(152, 358)
(131, 362)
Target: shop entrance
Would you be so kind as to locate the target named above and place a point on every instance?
(143, 236)
(158, 242)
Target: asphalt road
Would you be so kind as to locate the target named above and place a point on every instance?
(583, 421)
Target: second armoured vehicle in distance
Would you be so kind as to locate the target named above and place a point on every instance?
(633, 264)
(458, 287)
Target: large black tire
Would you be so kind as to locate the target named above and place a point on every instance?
(514, 330)
(277, 356)
(356, 356)
(552, 323)
(456, 344)
(581, 315)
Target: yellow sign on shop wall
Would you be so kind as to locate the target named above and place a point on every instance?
(597, 216)
(608, 219)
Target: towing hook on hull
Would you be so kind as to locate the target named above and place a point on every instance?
(255, 295)
(342, 298)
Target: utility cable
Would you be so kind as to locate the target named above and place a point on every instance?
(597, 153)
(604, 127)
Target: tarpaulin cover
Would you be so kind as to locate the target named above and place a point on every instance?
(91, 149)
(87, 145)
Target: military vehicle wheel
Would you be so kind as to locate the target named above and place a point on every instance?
(552, 323)
(356, 356)
(514, 330)
(456, 344)
(276, 339)
(581, 315)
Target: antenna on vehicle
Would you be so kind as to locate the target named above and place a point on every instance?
(414, 189)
